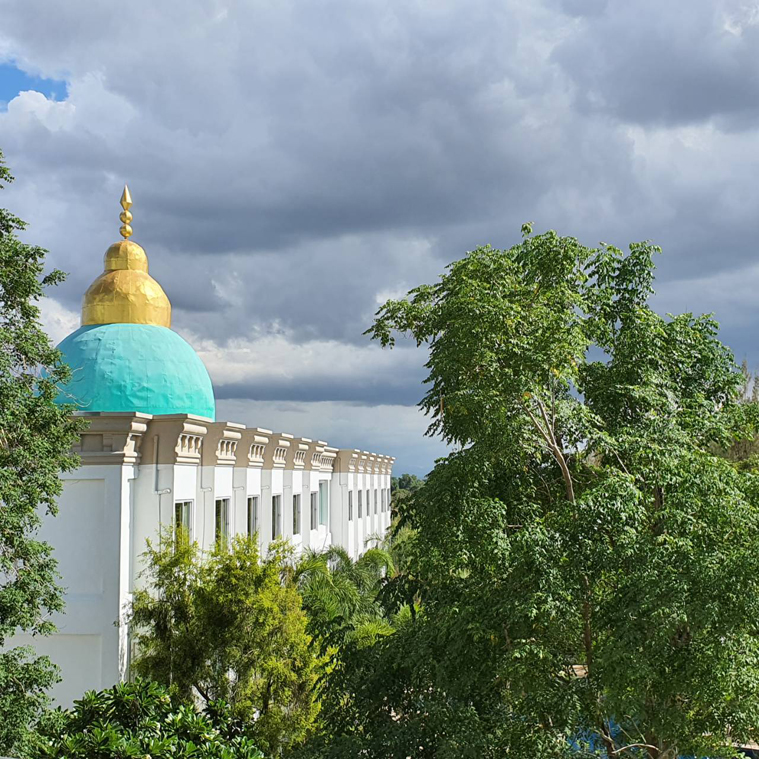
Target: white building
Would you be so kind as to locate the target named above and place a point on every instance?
(154, 455)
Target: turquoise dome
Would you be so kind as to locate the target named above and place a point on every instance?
(135, 367)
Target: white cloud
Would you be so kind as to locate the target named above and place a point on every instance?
(29, 109)
(57, 320)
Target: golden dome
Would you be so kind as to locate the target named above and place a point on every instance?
(125, 293)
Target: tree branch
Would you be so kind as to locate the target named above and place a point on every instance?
(550, 440)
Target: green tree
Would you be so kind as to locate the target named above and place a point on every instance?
(341, 596)
(229, 627)
(589, 568)
(141, 719)
(744, 454)
(408, 482)
(402, 488)
(36, 436)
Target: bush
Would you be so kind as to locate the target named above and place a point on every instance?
(141, 719)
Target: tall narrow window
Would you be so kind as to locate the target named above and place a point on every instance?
(276, 516)
(359, 503)
(323, 503)
(314, 510)
(296, 514)
(368, 505)
(375, 500)
(222, 521)
(182, 517)
(350, 505)
(252, 515)
(382, 502)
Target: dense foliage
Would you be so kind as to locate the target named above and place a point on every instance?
(35, 443)
(142, 719)
(402, 488)
(588, 566)
(230, 627)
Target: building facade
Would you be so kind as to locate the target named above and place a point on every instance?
(154, 457)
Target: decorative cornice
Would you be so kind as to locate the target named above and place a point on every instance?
(132, 438)
(174, 439)
(328, 459)
(347, 459)
(251, 449)
(298, 452)
(112, 438)
(275, 456)
(220, 444)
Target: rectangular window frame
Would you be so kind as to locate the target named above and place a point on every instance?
(183, 518)
(350, 505)
(324, 503)
(276, 516)
(314, 509)
(252, 515)
(359, 503)
(296, 514)
(221, 521)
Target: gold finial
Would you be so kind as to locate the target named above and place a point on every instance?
(125, 293)
(125, 216)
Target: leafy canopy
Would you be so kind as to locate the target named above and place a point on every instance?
(141, 719)
(588, 567)
(229, 627)
(36, 437)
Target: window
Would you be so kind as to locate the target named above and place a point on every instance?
(252, 515)
(296, 515)
(359, 504)
(182, 517)
(314, 510)
(350, 505)
(222, 521)
(276, 516)
(323, 503)
(368, 504)
(375, 500)
(382, 500)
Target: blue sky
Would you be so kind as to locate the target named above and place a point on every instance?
(13, 81)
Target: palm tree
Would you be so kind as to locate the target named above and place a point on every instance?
(340, 595)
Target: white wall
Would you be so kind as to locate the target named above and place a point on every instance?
(106, 514)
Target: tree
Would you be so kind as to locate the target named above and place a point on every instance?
(589, 568)
(229, 627)
(403, 488)
(141, 719)
(341, 596)
(744, 454)
(408, 482)
(36, 437)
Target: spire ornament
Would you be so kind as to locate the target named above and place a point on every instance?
(125, 293)
(125, 216)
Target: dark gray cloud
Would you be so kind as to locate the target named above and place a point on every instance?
(294, 164)
(401, 390)
(666, 63)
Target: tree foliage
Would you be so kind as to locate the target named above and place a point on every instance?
(142, 719)
(588, 566)
(36, 436)
(229, 627)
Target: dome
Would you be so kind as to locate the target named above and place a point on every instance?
(125, 292)
(135, 367)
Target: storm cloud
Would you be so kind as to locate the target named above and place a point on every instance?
(294, 164)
